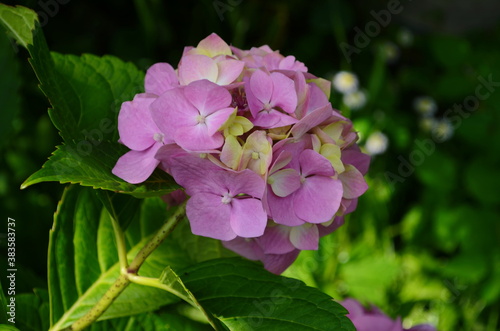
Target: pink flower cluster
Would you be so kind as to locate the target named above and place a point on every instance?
(375, 320)
(250, 135)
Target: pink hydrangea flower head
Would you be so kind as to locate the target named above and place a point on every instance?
(268, 165)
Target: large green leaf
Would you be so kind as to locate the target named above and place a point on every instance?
(85, 93)
(68, 165)
(244, 296)
(83, 261)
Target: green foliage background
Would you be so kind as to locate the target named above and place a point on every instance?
(425, 247)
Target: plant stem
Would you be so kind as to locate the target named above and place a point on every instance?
(111, 294)
(158, 238)
(120, 243)
(129, 272)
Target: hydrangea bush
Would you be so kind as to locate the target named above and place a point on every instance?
(243, 143)
(269, 165)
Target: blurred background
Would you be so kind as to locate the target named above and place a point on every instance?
(425, 98)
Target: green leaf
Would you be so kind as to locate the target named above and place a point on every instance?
(88, 93)
(244, 296)
(32, 311)
(69, 165)
(83, 261)
(85, 93)
(173, 281)
(164, 321)
(19, 22)
(128, 207)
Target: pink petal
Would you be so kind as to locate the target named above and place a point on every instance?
(353, 203)
(196, 138)
(273, 119)
(280, 161)
(282, 209)
(277, 263)
(196, 67)
(246, 181)
(317, 98)
(171, 111)
(215, 121)
(311, 120)
(302, 90)
(294, 147)
(276, 240)
(248, 218)
(353, 182)
(135, 124)
(261, 86)
(353, 155)
(207, 97)
(284, 182)
(313, 163)
(160, 77)
(305, 237)
(194, 173)
(354, 308)
(376, 323)
(209, 217)
(229, 70)
(318, 199)
(245, 247)
(135, 167)
(214, 45)
(338, 221)
(284, 95)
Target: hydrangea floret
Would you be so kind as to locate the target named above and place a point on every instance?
(267, 163)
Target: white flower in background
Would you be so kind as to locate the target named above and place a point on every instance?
(427, 123)
(376, 143)
(345, 82)
(426, 106)
(442, 129)
(405, 37)
(354, 100)
(390, 51)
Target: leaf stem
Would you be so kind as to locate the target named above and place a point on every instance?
(120, 243)
(158, 238)
(155, 282)
(111, 294)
